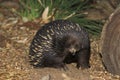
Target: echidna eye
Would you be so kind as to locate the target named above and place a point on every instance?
(76, 46)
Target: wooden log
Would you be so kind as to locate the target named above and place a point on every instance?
(110, 43)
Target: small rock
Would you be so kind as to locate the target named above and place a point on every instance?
(25, 19)
(47, 77)
(66, 77)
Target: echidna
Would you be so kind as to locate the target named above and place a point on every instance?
(60, 42)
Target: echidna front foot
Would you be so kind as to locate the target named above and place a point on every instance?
(83, 59)
(83, 66)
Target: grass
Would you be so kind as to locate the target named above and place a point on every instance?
(60, 9)
(30, 9)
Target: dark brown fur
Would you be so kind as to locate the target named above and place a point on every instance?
(68, 43)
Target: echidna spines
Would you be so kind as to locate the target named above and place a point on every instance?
(42, 43)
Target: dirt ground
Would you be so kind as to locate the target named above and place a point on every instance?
(15, 39)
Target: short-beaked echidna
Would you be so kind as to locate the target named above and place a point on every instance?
(59, 42)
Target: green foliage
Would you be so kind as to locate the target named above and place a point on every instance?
(71, 8)
(61, 9)
(93, 27)
(30, 9)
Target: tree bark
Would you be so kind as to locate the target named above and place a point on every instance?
(110, 43)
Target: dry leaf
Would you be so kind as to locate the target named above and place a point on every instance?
(45, 13)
